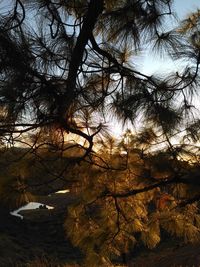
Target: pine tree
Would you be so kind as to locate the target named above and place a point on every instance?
(65, 67)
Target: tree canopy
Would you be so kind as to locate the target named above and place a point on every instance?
(65, 68)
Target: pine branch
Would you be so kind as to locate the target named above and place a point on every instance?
(174, 180)
(94, 10)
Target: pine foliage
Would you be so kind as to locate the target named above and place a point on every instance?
(105, 225)
(66, 67)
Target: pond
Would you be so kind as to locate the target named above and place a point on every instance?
(30, 206)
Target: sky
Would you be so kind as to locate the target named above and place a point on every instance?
(185, 7)
(152, 63)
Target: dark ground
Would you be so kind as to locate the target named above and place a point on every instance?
(40, 235)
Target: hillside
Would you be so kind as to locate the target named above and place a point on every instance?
(41, 236)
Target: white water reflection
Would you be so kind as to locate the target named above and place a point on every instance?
(30, 206)
(62, 191)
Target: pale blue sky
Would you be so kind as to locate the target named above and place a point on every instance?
(151, 63)
(184, 7)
